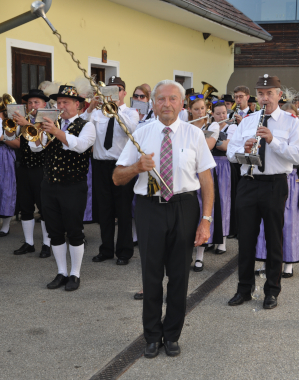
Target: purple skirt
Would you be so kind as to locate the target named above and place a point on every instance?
(8, 185)
(223, 171)
(290, 229)
(88, 210)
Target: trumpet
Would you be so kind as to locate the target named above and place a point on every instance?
(257, 143)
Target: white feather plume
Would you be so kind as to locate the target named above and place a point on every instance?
(289, 94)
(83, 87)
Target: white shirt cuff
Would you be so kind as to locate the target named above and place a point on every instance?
(9, 138)
(71, 140)
(274, 144)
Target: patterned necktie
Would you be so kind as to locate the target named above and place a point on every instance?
(262, 149)
(241, 113)
(66, 124)
(109, 134)
(166, 164)
(32, 120)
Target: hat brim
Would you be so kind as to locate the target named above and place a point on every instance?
(27, 97)
(55, 96)
(262, 86)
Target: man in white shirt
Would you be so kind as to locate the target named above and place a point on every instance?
(64, 187)
(112, 201)
(167, 222)
(264, 196)
(242, 95)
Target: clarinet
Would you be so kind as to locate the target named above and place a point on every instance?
(257, 143)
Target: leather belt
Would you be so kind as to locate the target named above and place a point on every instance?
(271, 178)
(174, 198)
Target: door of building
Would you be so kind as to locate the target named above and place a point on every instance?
(98, 73)
(29, 69)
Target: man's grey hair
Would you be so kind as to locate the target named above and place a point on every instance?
(277, 90)
(168, 82)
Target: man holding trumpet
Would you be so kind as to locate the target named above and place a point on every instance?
(64, 187)
(30, 175)
(112, 201)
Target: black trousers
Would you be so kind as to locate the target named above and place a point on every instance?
(29, 191)
(166, 235)
(256, 200)
(63, 210)
(113, 201)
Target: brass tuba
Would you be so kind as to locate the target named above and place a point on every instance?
(207, 90)
(8, 124)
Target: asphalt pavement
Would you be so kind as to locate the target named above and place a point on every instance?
(54, 334)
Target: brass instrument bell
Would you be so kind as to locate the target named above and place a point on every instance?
(8, 124)
(31, 132)
(106, 112)
(207, 90)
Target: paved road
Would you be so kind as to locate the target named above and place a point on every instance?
(59, 335)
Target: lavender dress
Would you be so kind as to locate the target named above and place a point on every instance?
(88, 217)
(8, 185)
(290, 229)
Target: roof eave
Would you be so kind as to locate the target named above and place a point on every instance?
(219, 19)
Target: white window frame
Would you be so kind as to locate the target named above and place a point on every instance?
(187, 74)
(111, 67)
(10, 42)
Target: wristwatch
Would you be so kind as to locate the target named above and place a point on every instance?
(208, 218)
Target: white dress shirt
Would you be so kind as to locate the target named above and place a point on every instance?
(214, 127)
(230, 130)
(130, 118)
(183, 115)
(190, 154)
(78, 144)
(283, 151)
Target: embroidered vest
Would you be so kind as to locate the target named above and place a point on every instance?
(66, 166)
(30, 159)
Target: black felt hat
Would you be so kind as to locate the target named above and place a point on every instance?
(35, 93)
(67, 92)
(252, 99)
(228, 98)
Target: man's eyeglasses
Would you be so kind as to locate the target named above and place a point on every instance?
(195, 96)
(239, 96)
(136, 96)
(218, 101)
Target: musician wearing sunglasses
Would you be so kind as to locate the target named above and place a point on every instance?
(141, 94)
(241, 96)
(30, 175)
(263, 190)
(111, 200)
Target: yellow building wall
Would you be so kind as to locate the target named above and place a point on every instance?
(148, 49)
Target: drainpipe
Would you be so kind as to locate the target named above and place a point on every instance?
(22, 19)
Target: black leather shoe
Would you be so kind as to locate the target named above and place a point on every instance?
(100, 257)
(2, 234)
(45, 252)
(209, 248)
(198, 269)
(152, 350)
(232, 236)
(172, 348)
(122, 262)
(239, 298)
(219, 251)
(270, 302)
(24, 249)
(58, 281)
(72, 284)
(287, 275)
(138, 296)
(135, 243)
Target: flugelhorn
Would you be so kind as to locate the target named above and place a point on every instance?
(51, 138)
(8, 124)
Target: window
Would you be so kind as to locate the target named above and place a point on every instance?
(268, 10)
(29, 69)
(184, 78)
(98, 73)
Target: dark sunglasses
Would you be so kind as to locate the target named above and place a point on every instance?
(136, 96)
(121, 89)
(194, 96)
(218, 101)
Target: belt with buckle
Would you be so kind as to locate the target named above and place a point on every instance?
(174, 198)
